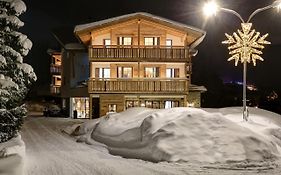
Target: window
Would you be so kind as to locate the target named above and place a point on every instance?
(107, 42)
(173, 73)
(56, 80)
(102, 73)
(152, 104)
(132, 103)
(125, 41)
(169, 43)
(56, 60)
(80, 106)
(112, 108)
(171, 104)
(152, 41)
(151, 72)
(125, 72)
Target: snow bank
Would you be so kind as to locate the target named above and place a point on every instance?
(188, 134)
(12, 154)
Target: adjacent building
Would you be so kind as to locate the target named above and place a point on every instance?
(132, 60)
(55, 72)
(75, 76)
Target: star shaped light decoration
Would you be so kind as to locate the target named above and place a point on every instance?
(246, 46)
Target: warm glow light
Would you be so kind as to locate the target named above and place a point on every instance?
(246, 45)
(190, 105)
(210, 8)
(279, 6)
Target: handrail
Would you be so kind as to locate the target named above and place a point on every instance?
(136, 46)
(138, 85)
(137, 79)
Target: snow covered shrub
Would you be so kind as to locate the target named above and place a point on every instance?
(15, 76)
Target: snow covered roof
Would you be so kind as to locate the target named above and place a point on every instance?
(193, 87)
(90, 26)
(84, 30)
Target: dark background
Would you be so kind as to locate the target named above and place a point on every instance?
(210, 66)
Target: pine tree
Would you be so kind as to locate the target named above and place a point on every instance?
(15, 76)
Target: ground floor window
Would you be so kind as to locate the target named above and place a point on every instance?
(171, 104)
(112, 108)
(152, 104)
(132, 103)
(80, 106)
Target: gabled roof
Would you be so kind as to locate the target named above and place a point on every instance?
(102, 23)
(87, 28)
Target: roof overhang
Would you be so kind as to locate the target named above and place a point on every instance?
(86, 29)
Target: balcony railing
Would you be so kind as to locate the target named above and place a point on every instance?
(141, 53)
(54, 89)
(138, 86)
(55, 69)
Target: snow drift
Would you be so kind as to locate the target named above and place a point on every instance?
(187, 134)
(12, 155)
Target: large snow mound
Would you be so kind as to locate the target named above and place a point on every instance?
(187, 134)
(12, 156)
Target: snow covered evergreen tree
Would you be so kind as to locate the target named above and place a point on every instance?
(15, 76)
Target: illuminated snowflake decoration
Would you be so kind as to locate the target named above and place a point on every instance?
(246, 46)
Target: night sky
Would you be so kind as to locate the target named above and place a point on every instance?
(60, 16)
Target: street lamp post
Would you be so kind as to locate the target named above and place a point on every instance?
(246, 45)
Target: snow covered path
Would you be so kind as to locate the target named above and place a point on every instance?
(50, 152)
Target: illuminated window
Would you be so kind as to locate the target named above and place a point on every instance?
(171, 104)
(173, 73)
(126, 41)
(56, 80)
(169, 42)
(152, 41)
(56, 60)
(151, 72)
(102, 73)
(152, 104)
(112, 108)
(107, 42)
(81, 107)
(132, 103)
(125, 72)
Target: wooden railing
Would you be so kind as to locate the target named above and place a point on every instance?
(55, 69)
(55, 90)
(138, 86)
(141, 53)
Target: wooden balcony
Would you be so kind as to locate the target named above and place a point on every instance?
(55, 69)
(175, 86)
(55, 89)
(136, 54)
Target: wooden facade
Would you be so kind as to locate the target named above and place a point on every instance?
(138, 60)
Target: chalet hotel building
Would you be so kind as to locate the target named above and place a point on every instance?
(134, 60)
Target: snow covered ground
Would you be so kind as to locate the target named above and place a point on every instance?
(217, 142)
(12, 156)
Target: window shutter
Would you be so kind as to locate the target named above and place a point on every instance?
(177, 73)
(119, 72)
(157, 72)
(158, 41)
(97, 73)
(118, 40)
